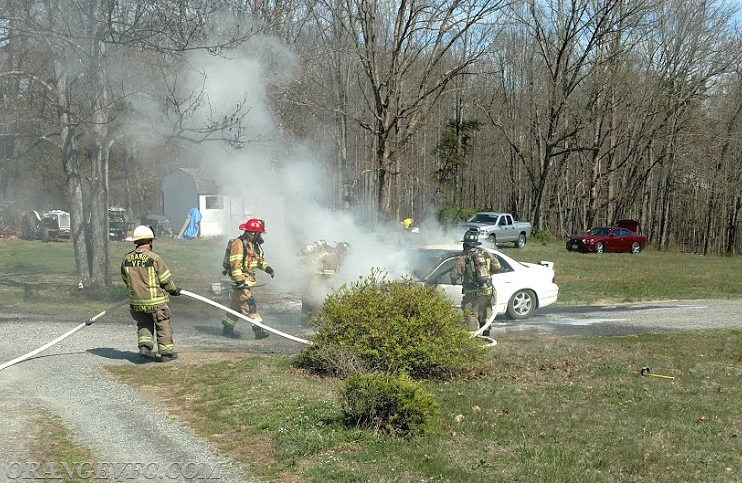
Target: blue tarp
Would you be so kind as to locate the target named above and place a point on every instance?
(191, 230)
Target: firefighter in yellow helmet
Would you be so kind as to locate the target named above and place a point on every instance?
(245, 256)
(407, 223)
(149, 282)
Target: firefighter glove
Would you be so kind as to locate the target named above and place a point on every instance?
(240, 285)
(270, 271)
(175, 292)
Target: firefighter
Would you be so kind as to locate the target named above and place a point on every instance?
(245, 256)
(343, 250)
(149, 282)
(474, 268)
(322, 263)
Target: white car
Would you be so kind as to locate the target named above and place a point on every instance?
(521, 287)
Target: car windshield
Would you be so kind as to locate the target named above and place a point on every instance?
(421, 262)
(482, 218)
(602, 231)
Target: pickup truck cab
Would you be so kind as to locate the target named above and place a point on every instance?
(497, 228)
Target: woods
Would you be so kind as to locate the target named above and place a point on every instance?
(568, 113)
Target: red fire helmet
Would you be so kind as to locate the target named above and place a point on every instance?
(254, 225)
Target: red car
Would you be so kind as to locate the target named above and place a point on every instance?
(623, 237)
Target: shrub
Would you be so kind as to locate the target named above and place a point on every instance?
(392, 327)
(385, 403)
(451, 215)
(541, 236)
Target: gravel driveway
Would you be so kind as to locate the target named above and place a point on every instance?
(112, 420)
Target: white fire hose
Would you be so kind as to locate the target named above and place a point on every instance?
(254, 322)
(491, 342)
(62, 337)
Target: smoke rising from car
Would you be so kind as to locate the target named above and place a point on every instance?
(289, 182)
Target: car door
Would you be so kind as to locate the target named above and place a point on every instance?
(625, 239)
(507, 229)
(506, 283)
(613, 241)
(440, 276)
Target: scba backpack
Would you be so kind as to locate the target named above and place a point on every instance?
(226, 266)
(479, 268)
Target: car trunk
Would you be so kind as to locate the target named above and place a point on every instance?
(632, 225)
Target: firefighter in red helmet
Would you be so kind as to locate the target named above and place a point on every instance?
(245, 256)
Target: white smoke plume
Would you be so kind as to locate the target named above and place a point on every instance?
(283, 180)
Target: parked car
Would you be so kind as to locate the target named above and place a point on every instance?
(521, 287)
(160, 225)
(624, 237)
(497, 228)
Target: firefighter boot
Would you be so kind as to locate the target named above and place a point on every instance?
(168, 357)
(260, 333)
(228, 331)
(146, 352)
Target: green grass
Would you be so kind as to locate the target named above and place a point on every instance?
(552, 410)
(53, 445)
(42, 275)
(589, 278)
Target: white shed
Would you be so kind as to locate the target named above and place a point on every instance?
(184, 189)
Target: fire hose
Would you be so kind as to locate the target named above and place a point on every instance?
(490, 341)
(62, 337)
(237, 314)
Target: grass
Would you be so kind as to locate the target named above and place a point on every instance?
(52, 446)
(552, 410)
(567, 409)
(43, 274)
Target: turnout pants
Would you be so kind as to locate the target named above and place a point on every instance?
(148, 322)
(242, 301)
(477, 309)
(315, 292)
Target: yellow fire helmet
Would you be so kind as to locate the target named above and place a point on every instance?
(407, 222)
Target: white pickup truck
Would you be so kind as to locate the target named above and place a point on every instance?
(498, 228)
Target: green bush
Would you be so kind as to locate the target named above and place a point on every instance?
(392, 327)
(451, 215)
(541, 236)
(395, 405)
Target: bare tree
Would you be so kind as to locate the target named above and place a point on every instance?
(410, 51)
(77, 44)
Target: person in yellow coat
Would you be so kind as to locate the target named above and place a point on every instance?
(149, 283)
(245, 256)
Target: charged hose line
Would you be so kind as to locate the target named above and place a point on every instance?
(491, 342)
(254, 322)
(62, 337)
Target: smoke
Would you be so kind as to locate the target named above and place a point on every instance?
(281, 179)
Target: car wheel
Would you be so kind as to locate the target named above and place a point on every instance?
(521, 305)
(492, 240)
(521, 241)
(636, 248)
(599, 247)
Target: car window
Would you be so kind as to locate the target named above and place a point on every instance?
(482, 218)
(599, 231)
(422, 263)
(442, 274)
